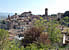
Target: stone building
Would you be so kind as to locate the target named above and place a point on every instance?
(25, 14)
(59, 15)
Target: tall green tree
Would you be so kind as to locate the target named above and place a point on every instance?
(53, 31)
(3, 38)
(51, 27)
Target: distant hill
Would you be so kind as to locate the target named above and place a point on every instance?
(4, 15)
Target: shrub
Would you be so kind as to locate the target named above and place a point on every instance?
(31, 35)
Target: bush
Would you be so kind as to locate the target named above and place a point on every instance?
(31, 35)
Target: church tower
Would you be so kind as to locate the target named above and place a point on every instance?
(46, 12)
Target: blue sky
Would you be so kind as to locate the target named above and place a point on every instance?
(36, 6)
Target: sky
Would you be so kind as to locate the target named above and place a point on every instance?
(35, 6)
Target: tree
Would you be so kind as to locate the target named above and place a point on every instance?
(50, 27)
(31, 35)
(66, 19)
(66, 14)
(54, 32)
(3, 38)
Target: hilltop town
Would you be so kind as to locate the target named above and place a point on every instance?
(18, 25)
(27, 18)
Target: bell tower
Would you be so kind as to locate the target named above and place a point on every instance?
(46, 12)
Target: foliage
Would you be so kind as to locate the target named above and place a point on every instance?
(13, 46)
(66, 14)
(32, 46)
(53, 30)
(50, 27)
(3, 38)
(31, 35)
(44, 38)
(66, 19)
